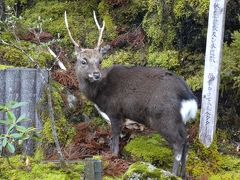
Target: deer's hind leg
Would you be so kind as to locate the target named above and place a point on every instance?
(180, 148)
(175, 134)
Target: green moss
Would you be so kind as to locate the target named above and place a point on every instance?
(38, 170)
(226, 176)
(111, 178)
(14, 2)
(129, 13)
(64, 129)
(16, 57)
(209, 161)
(142, 171)
(6, 36)
(230, 163)
(204, 160)
(150, 149)
(3, 67)
(88, 108)
(80, 19)
(99, 122)
(176, 25)
(104, 11)
(38, 154)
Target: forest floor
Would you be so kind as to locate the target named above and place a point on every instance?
(92, 140)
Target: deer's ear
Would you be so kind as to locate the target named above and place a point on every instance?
(77, 49)
(103, 50)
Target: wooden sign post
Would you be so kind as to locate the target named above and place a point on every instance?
(212, 68)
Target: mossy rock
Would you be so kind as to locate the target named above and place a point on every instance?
(151, 149)
(37, 170)
(142, 171)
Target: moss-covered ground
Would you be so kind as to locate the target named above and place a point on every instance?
(208, 162)
(33, 169)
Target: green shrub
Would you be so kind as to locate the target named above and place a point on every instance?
(195, 82)
(158, 25)
(230, 74)
(165, 59)
(127, 58)
(15, 131)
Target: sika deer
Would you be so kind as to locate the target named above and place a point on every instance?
(154, 97)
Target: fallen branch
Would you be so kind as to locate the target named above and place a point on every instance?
(54, 131)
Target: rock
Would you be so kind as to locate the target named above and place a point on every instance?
(142, 170)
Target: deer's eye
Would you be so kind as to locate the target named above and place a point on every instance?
(84, 61)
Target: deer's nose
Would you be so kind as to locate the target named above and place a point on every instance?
(96, 75)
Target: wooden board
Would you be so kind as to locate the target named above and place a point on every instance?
(212, 68)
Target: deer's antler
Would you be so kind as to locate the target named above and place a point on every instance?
(69, 33)
(100, 29)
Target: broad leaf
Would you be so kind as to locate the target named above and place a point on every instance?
(10, 128)
(18, 104)
(11, 117)
(16, 135)
(22, 118)
(25, 137)
(4, 122)
(21, 129)
(3, 108)
(30, 129)
(4, 142)
(10, 147)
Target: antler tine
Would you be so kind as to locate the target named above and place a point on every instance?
(69, 33)
(100, 29)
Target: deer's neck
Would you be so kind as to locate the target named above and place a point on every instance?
(92, 89)
(89, 89)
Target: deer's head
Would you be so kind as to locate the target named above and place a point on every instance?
(88, 60)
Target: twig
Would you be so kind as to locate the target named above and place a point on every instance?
(54, 131)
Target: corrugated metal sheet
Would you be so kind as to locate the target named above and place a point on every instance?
(23, 85)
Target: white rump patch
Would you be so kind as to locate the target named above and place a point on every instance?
(104, 115)
(188, 110)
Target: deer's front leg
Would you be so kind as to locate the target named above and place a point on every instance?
(116, 126)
